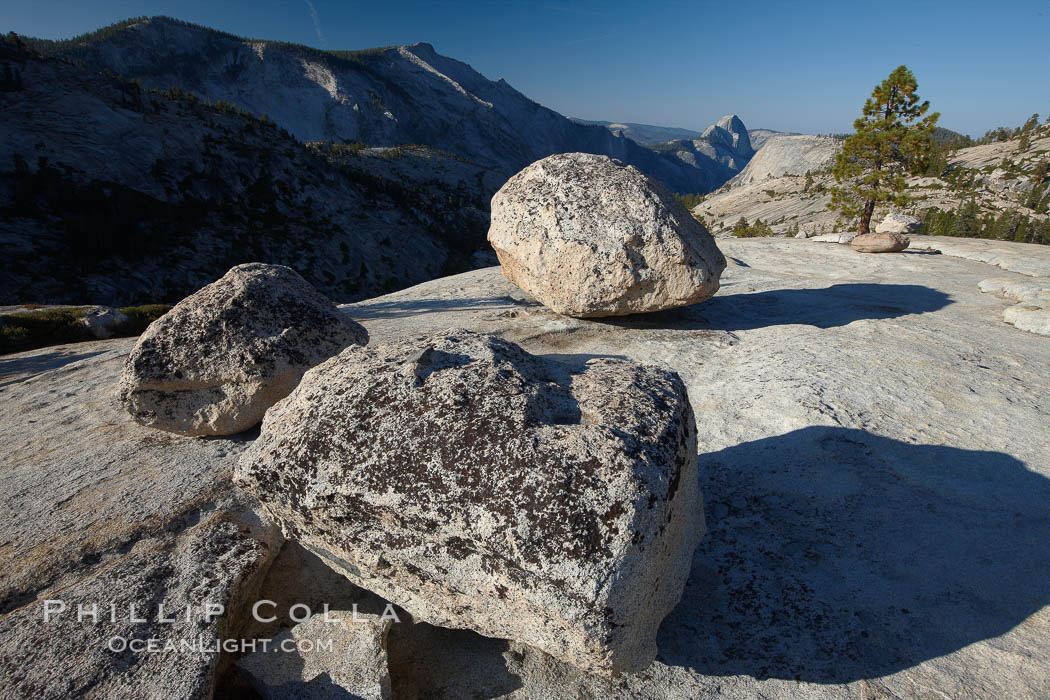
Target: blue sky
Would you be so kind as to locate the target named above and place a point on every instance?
(796, 66)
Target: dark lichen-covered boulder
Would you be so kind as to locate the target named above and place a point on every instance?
(479, 486)
(226, 353)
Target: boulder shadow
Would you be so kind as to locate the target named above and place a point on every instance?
(834, 555)
(435, 662)
(18, 369)
(423, 660)
(402, 308)
(822, 307)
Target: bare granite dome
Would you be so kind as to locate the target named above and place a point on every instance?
(899, 516)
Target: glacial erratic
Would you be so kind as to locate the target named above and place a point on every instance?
(222, 356)
(589, 237)
(482, 487)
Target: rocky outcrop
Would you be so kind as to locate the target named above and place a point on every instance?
(759, 137)
(390, 96)
(188, 189)
(479, 486)
(723, 149)
(844, 238)
(900, 517)
(108, 522)
(222, 356)
(792, 202)
(589, 237)
(103, 321)
(1005, 183)
(880, 243)
(730, 135)
(899, 223)
(788, 155)
(331, 655)
(1032, 311)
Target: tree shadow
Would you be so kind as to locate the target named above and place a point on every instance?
(822, 307)
(835, 555)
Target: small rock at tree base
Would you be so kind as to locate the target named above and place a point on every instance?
(844, 238)
(588, 236)
(226, 353)
(343, 655)
(880, 243)
(102, 321)
(899, 223)
(478, 486)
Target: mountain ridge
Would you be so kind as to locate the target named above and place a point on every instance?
(391, 96)
(113, 193)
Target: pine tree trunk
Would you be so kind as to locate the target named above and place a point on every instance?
(865, 218)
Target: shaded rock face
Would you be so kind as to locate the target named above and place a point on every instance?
(899, 223)
(880, 243)
(214, 363)
(479, 486)
(730, 132)
(589, 237)
(725, 145)
(298, 665)
(385, 97)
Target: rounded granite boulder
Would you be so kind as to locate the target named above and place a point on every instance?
(588, 236)
(216, 361)
(880, 243)
(479, 486)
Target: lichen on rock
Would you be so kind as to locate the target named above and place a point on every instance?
(588, 236)
(223, 355)
(479, 486)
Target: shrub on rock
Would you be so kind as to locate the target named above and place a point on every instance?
(223, 355)
(479, 486)
(588, 236)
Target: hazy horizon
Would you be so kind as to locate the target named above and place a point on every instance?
(806, 69)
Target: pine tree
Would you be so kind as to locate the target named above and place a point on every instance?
(892, 138)
(966, 223)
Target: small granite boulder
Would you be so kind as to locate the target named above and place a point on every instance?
(226, 353)
(899, 223)
(339, 654)
(843, 238)
(880, 243)
(588, 237)
(102, 321)
(478, 486)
